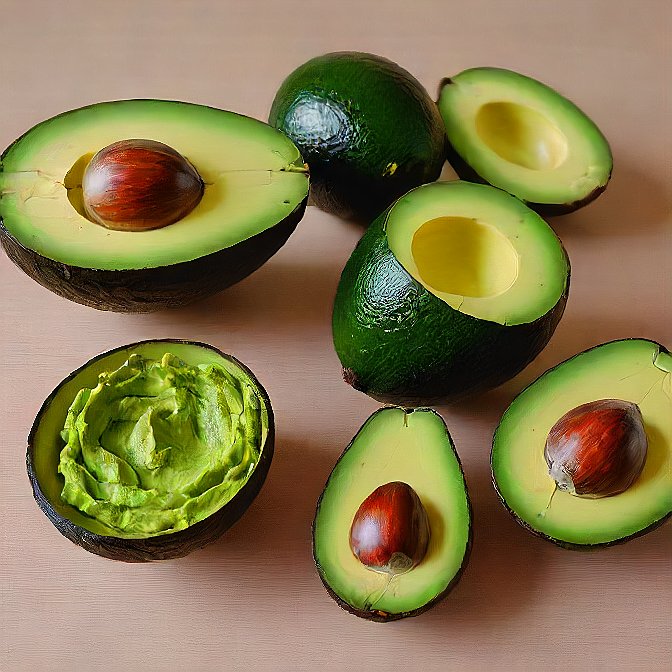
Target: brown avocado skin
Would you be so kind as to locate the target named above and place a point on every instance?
(167, 546)
(150, 289)
(376, 615)
(559, 542)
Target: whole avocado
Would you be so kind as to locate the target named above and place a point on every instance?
(366, 127)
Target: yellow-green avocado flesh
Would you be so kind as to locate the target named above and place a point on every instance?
(633, 370)
(164, 445)
(520, 135)
(254, 178)
(394, 445)
(158, 445)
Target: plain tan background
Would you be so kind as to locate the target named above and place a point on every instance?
(253, 600)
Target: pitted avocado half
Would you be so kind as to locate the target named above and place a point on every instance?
(515, 133)
(453, 290)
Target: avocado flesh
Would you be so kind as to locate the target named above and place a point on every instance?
(46, 442)
(637, 371)
(367, 128)
(518, 134)
(401, 330)
(394, 445)
(254, 178)
(491, 257)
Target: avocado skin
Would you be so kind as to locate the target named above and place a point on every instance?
(384, 116)
(465, 172)
(378, 616)
(167, 546)
(149, 289)
(559, 542)
(400, 344)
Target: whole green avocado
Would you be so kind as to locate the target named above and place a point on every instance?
(366, 127)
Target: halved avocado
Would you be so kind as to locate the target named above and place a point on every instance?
(453, 290)
(520, 135)
(412, 447)
(255, 193)
(367, 128)
(631, 370)
(128, 493)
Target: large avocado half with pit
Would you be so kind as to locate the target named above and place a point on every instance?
(255, 192)
(367, 128)
(395, 445)
(151, 450)
(634, 371)
(520, 135)
(451, 291)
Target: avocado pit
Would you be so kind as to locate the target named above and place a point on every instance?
(597, 449)
(390, 531)
(136, 185)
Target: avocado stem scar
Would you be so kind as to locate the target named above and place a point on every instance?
(542, 514)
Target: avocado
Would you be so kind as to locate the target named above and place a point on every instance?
(255, 192)
(151, 450)
(412, 447)
(367, 128)
(518, 134)
(451, 291)
(635, 371)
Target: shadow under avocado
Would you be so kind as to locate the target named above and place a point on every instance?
(633, 202)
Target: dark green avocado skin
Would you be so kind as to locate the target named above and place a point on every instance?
(167, 546)
(149, 289)
(353, 116)
(400, 344)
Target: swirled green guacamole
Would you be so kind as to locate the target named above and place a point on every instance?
(159, 445)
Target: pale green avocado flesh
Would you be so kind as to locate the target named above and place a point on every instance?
(637, 371)
(149, 442)
(479, 250)
(522, 136)
(254, 178)
(395, 445)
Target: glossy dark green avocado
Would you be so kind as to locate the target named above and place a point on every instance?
(366, 127)
(44, 445)
(399, 343)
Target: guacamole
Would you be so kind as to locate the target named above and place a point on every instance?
(159, 445)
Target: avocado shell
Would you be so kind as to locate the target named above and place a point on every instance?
(149, 289)
(375, 615)
(165, 546)
(559, 542)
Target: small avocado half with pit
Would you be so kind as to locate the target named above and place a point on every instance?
(453, 290)
(250, 190)
(394, 447)
(366, 127)
(631, 373)
(518, 134)
(152, 450)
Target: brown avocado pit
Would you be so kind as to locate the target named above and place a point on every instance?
(96, 470)
(390, 531)
(136, 185)
(597, 449)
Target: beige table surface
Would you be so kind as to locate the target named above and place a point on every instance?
(253, 600)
